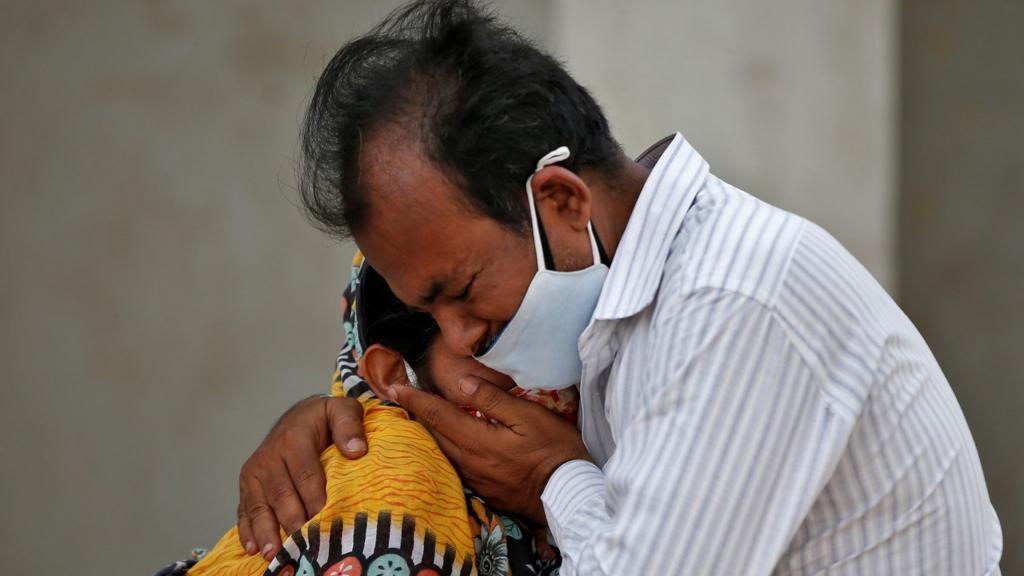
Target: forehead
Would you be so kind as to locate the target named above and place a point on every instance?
(418, 230)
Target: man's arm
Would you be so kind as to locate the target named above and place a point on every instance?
(718, 469)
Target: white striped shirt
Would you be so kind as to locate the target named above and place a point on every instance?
(757, 404)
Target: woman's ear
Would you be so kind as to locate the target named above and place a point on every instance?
(382, 368)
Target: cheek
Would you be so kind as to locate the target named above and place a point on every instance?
(499, 294)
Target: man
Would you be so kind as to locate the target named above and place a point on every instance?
(752, 401)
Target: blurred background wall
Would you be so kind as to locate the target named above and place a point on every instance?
(961, 223)
(163, 300)
(793, 100)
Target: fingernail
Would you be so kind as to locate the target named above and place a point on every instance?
(355, 445)
(468, 386)
(250, 547)
(268, 550)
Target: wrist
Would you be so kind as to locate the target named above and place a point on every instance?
(549, 471)
(576, 453)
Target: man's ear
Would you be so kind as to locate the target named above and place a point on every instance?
(382, 368)
(563, 203)
(557, 190)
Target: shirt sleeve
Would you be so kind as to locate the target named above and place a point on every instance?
(730, 444)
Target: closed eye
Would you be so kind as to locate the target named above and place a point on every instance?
(464, 294)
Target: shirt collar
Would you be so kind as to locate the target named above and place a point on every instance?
(677, 175)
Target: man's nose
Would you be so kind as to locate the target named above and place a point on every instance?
(463, 332)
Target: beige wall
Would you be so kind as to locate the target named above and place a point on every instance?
(162, 299)
(791, 100)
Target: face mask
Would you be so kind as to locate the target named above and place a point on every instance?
(539, 348)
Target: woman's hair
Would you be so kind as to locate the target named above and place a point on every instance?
(392, 324)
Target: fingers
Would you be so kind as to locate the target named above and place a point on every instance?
(441, 417)
(262, 533)
(455, 452)
(493, 401)
(307, 474)
(345, 416)
(283, 497)
(245, 537)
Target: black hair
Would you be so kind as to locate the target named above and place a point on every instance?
(482, 102)
(392, 324)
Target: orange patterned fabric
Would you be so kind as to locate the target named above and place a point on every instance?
(400, 509)
(403, 473)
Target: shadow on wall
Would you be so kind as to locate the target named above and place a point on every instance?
(961, 242)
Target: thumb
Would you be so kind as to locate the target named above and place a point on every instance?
(494, 402)
(437, 414)
(345, 418)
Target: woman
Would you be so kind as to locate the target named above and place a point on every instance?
(401, 508)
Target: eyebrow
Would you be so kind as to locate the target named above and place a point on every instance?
(436, 287)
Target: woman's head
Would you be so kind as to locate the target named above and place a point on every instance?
(392, 334)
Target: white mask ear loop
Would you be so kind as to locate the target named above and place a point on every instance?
(593, 245)
(557, 155)
(411, 375)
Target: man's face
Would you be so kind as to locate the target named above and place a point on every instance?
(437, 255)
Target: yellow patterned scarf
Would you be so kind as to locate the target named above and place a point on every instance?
(403, 497)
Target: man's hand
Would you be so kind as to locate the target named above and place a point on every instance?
(282, 483)
(508, 462)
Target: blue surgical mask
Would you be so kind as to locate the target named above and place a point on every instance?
(539, 347)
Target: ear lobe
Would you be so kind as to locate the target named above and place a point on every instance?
(557, 190)
(382, 368)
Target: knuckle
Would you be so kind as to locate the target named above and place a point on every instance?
(247, 470)
(257, 510)
(254, 469)
(432, 415)
(489, 401)
(280, 492)
(307, 476)
(346, 411)
(275, 436)
(340, 402)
